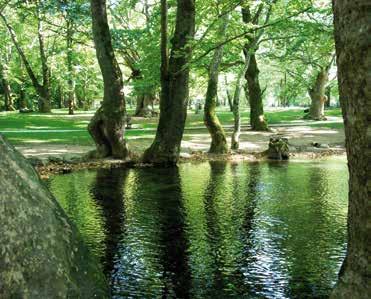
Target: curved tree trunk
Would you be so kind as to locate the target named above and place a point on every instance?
(257, 120)
(165, 148)
(107, 127)
(318, 97)
(352, 40)
(218, 139)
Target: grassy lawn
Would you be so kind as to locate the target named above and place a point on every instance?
(37, 128)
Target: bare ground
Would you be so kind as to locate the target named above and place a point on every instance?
(300, 138)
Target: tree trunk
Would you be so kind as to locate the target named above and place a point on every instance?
(257, 120)
(71, 80)
(318, 97)
(229, 96)
(328, 97)
(8, 100)
(41, 90)
(44, 93)
(144, 105)
(218, 139)
(352, 40)
(165, 148)
(107, 127)
(235, 140)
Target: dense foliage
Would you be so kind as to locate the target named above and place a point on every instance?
(293, 41)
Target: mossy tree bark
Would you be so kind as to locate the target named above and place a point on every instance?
(42, 90)
(352, 40)
(218, 139)
(107, 127)
(42, 254)
(257, 120)
(165, 148)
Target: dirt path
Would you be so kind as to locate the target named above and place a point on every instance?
(300, 138)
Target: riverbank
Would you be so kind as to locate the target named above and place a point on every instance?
(57, 165)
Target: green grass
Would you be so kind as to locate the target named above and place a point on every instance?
(13, 122)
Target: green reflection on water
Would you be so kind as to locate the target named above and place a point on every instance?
(213, 230)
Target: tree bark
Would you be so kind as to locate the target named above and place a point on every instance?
(44, 93)
(235, 140)
(352, 40)
(257, 120)
(165, 148)
(71, 80)
(229, 96)
(107, 127)
(318, 97)
(144, 105)
(218, 139)
(8, 100)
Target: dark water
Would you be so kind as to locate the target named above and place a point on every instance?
(213, 230)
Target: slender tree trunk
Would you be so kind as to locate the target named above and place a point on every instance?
(71, 80)
(235, 140)
(41, 90)
(257, 120)
(352, 40)
(107, 127)
(44, 93)
(318, 97)
(218, 139)
(328, 97)
(165, 148)
(8, 100)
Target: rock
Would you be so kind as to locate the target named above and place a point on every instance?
(278, 148)
(185, 155)
(319, 145)
(41, 254)
(55, 159)
(324, 145)
(71, 159)
(34, 161)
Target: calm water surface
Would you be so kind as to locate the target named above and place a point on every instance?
(213, 230)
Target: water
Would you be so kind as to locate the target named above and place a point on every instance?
(213, 230)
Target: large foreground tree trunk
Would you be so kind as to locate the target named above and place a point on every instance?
(165, 148)
(42, 254)
(317, 96)
(257, 120)
(107, 127)
(218, 139)
(352, 39)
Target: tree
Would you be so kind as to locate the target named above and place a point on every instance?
(317, 94)
(352, 40)
(107, 127)
(165, 148)
(257, 120)
(42, 89)
(218, 138)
